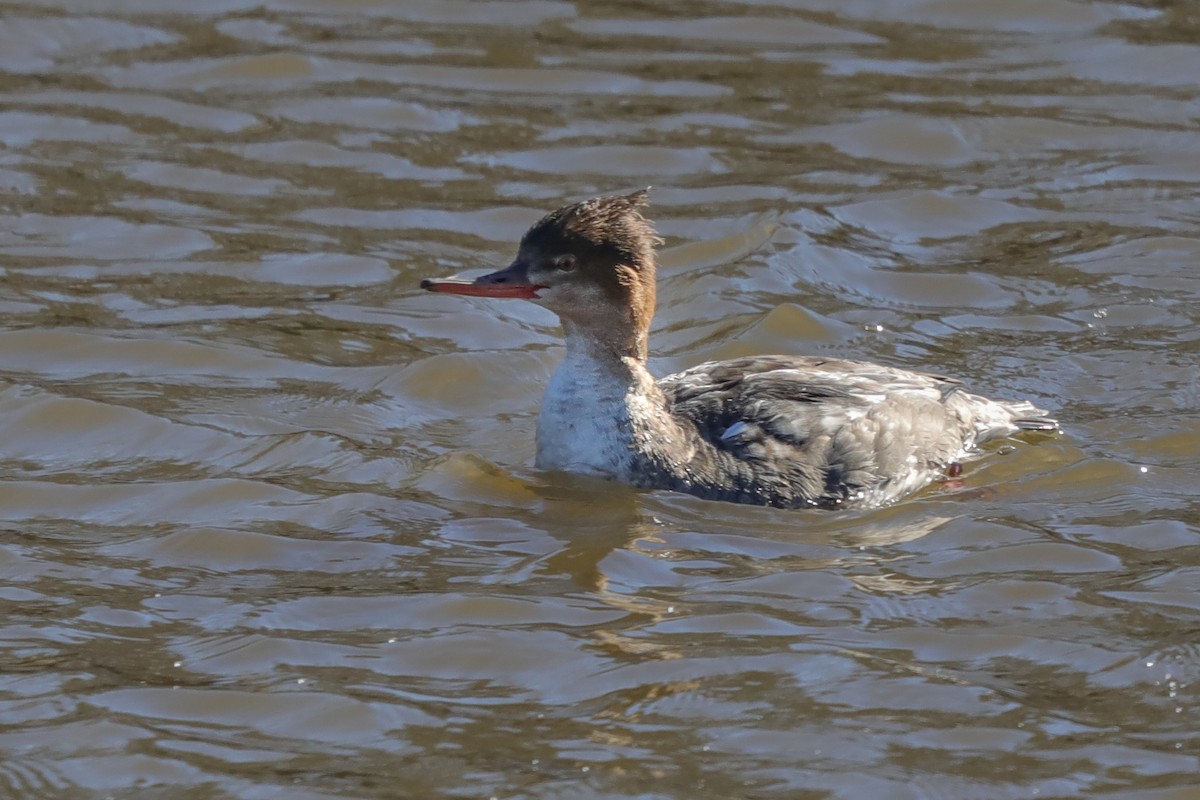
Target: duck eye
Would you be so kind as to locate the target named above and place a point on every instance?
(565, 263)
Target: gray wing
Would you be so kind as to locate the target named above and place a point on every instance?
(831, 429)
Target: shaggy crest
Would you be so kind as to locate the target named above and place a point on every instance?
(612, 223)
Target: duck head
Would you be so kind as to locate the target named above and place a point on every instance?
(592, 263)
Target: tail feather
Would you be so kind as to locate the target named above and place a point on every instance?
(996, 419)
(1036, 424)
(1028, 417)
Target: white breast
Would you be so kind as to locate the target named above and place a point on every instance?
(584, 425)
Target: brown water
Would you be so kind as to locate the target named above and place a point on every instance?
(270, 526)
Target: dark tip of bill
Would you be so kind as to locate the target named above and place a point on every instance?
(426, 283)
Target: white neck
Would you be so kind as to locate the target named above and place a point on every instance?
(593, 408)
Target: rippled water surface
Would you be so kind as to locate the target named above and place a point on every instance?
(269, 518)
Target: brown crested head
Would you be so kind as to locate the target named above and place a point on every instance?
(592, 263)
(596, 260)
(601, 233)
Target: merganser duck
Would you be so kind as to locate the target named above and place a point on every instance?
(786, 431)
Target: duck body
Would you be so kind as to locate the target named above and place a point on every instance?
(785, 431)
